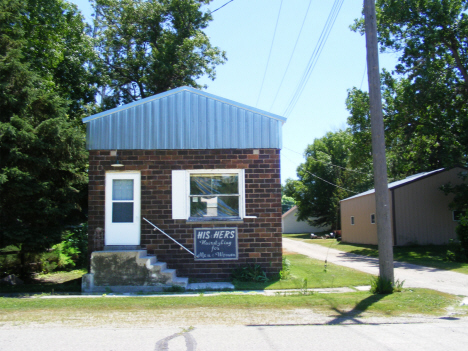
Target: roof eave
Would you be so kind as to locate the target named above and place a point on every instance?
(176, 91)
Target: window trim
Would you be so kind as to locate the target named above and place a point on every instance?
(372, 218)
(177, 197)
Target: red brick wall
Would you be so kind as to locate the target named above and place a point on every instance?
(259, 238)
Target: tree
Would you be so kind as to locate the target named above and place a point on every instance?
(460, 204)
(286, 203)
(426, 97)
(324, 180)
(148, 47)
(413, 144)
(42, 147)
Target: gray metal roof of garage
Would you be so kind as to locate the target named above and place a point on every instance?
(399, 183)
(184, 118)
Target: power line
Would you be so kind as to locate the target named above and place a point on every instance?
(269, 55)
(363, 75)
(326, 181)
(328, 163)
(315, 56)
(221, 6)
(292, 54)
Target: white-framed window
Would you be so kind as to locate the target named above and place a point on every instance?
(372, 218)
(204, 195)
(456, 215)
(352, 220)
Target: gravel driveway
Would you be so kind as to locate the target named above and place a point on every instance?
(413, 275)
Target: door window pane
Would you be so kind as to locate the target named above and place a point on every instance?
(122, 212)
(122, 189)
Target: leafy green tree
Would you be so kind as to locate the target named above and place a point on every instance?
(148, 47)
(460, 203)
(42, 148)
(61, 52)
(426, 98)
(287, 203)
(411, 147)
(323, 180)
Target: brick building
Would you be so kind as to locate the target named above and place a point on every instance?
(203, 169)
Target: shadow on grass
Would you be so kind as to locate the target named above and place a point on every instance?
(362, 306)
(255, 285)
(35, 287)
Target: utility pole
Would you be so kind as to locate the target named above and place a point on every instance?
(384, 229)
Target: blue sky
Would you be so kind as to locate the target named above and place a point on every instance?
(245, 28)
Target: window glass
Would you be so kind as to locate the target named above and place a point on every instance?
(122, 189)
(211, 184)
(372, 218)
(122, 212)
(214, 195)
(352, 220)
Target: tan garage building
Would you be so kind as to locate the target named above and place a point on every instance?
(419, 211)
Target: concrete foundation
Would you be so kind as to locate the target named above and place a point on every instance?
(129, 271)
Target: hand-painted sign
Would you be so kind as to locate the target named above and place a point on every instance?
(216, 244)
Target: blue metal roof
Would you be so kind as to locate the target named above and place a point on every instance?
(184, 118)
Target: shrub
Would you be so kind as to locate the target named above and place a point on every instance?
(462, 235)
(68, 254)
(455, 252)
(249, 273)
(9, 264)
(77, 239)
(62, 256)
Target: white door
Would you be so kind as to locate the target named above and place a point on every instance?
(122, 208)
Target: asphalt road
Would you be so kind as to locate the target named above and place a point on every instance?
(414, 276)
(435, 336)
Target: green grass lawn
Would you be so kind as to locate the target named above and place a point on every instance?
(234, 308)
(201, 308)
(303, 267)
(424, 255)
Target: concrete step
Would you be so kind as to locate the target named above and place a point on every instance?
(162, 265)
(106, 265)
(151, 260)
(180, 281)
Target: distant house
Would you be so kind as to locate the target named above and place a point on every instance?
(420, 211)
(291, 225)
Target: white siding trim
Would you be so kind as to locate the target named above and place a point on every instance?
(179, 195)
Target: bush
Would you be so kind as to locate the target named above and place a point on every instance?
(462, 235)
(249, 273)
(68, 254)
(9, 264)
(77, 238)
(455, 252)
